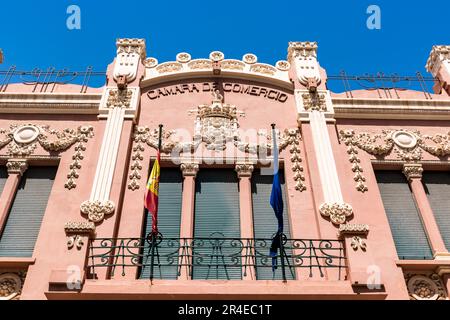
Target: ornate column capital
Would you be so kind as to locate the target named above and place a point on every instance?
(244, 169)
(17, 166)
(189, 169)
(412, 171)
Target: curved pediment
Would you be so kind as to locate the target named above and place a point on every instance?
(216, 65)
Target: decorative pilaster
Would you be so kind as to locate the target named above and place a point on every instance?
(117, 104)
(189, 171)
(244, 172)
(413, 173)
(16, 168)
(315, 106)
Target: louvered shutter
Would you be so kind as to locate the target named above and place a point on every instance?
(437, 187)
(169, 215)
(265, 223)
(217, 212)
(26, 213)
(404, 219)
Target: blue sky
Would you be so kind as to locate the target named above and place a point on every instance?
(34, 33)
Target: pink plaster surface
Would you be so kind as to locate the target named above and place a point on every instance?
(51, 256)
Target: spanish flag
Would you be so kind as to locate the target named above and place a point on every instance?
(151, 194)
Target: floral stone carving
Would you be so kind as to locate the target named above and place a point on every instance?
(425, 286)
(337, 212)
(96, 210)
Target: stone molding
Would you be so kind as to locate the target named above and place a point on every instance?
(353, 229)
(79, 227)
(50, 103)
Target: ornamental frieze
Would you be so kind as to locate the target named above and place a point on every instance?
(405, 145)
(216, 126)
(22, 140)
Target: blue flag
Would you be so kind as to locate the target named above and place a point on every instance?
(276, 201)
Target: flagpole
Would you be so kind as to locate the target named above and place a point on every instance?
(154, 235)
(279, 234)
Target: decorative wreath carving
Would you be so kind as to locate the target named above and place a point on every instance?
(426, 286)
(11, 284)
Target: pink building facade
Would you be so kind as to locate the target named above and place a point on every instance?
(365, 178)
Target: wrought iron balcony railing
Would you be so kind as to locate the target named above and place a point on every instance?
(216, 257)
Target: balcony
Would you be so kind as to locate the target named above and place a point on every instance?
(216, 258)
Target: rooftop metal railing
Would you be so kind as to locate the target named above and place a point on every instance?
(47, 80)
(386, 86)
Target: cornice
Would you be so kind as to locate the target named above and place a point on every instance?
(50, 103)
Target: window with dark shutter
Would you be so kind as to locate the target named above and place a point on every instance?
(404, 218)
(169, 216)
(264, 222)
(25, 216)
(217, 216)
(3, 177)
(437, 187)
